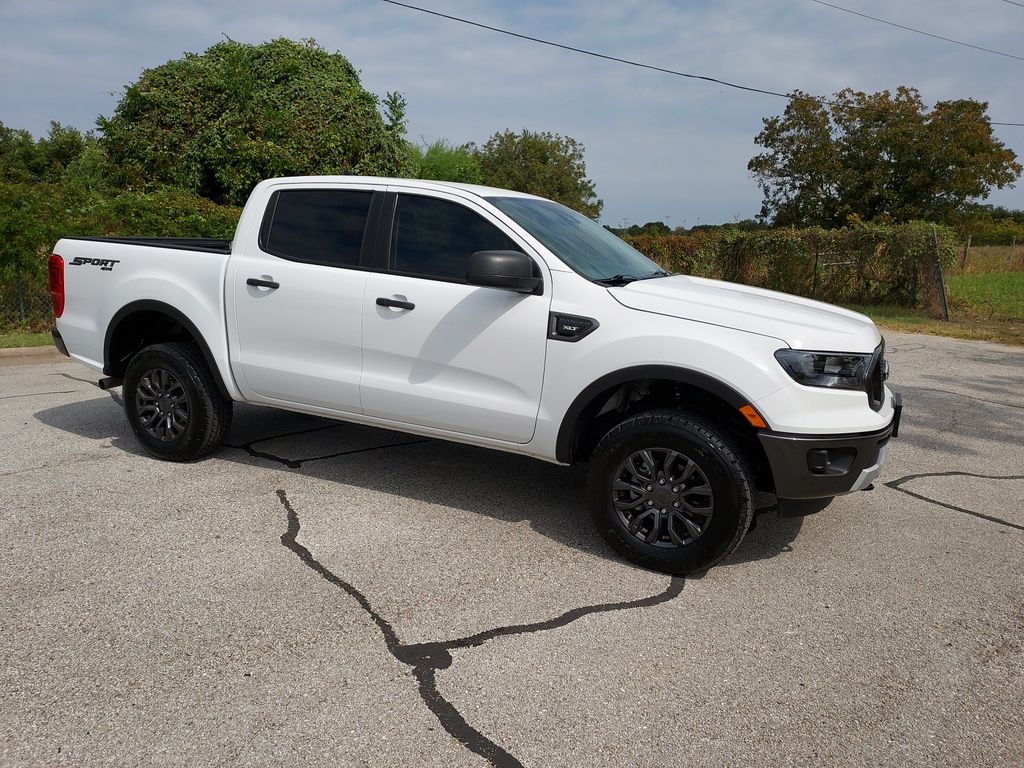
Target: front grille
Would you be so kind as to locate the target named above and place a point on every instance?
(874, 383)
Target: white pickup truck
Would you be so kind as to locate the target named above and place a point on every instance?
(497, 319)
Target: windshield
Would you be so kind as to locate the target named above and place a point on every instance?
(583, 244)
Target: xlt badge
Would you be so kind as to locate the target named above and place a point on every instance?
(570, 327)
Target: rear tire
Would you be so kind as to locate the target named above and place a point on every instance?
(669, 491)
(173, 404)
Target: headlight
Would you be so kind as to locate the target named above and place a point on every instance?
(837, 370)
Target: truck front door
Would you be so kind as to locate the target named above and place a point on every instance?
(438, 352)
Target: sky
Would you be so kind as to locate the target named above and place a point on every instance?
(658, 147)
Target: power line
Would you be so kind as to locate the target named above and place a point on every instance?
(1013, 2)
(920, 32)
(586, 52)
(595, 54)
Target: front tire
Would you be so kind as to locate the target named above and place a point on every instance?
(172, 402)
(669, 491)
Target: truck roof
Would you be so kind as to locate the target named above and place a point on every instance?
(475, 189)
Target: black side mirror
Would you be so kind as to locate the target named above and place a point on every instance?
(511, 270)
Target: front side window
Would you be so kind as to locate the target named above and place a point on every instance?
(583, 244)
(436, 238)
(323, 226)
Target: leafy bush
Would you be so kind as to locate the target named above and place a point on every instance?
(218, 123)
(993, 231)
(34, 216)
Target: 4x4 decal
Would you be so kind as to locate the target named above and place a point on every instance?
(105, 265)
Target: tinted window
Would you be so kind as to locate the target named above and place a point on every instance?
(319, 225)
(435, 238)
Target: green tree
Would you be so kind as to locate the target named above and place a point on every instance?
(879, 157)
(657, 228)
(544, 164)
(443, 162)
(217, 123)
(17, 154)
(23, 159)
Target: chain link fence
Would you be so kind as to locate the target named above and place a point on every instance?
(25, 306)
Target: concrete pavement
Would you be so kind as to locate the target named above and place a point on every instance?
(322, 593)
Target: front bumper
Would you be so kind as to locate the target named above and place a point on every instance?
(819, 467)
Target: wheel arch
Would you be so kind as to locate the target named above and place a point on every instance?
(587, 419)
(147, 321)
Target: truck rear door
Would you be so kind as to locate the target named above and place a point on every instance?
(295, 296)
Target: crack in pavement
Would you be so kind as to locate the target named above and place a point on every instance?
(297, 463)
(897, 484)
(427, 658)
(907, 347)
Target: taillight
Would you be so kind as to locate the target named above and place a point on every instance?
(57, 284)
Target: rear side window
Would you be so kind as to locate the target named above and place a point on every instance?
(435, 238)
(323, 226)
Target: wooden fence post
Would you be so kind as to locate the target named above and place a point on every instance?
(967, 248)
(938, 272)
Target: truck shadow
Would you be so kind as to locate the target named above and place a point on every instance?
(499, 485)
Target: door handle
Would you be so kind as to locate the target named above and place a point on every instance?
(259, 283)
(396, 303)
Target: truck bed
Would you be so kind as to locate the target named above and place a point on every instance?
(204, 244)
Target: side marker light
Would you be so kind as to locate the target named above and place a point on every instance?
(753, 417)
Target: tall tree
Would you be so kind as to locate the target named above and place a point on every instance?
(879, 157)
(23, 158)
(441, 161)
(219, 122)
(544, 164)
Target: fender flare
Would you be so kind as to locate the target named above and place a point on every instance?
(563, 444)
(151, 305)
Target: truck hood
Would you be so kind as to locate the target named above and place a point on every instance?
(801, 323)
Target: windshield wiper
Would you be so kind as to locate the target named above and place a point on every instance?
(616, 280)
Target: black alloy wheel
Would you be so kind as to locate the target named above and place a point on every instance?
(669, 491)
(663, 497)
(161, 404)
(173, 404)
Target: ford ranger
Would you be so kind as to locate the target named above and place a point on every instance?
(497, 319)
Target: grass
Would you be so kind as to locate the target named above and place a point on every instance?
(9, 339)
(986, 306)
(1004, 331)
(999, 294)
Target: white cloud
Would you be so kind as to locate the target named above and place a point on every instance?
(657, 145)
